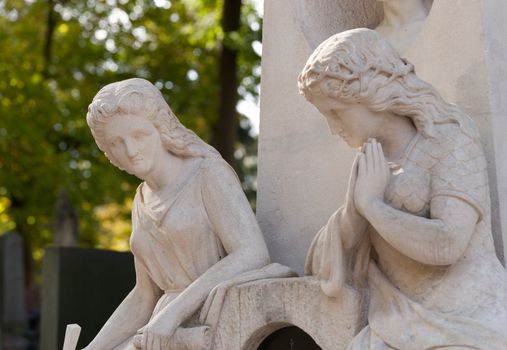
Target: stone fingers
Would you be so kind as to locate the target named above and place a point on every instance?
(370, 158)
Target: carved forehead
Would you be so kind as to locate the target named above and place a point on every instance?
(124, 124)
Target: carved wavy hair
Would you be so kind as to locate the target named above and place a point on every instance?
(359, 66)
(141, 98)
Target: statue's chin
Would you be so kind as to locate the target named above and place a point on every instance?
(139, 173)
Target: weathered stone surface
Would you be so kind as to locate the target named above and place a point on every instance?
(403, 21)
(254, 310)
(318, 20)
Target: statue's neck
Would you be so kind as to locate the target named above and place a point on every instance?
(167, 169)
(401, 13)
(395, 136)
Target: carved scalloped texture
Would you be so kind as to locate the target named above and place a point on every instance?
(451, 163)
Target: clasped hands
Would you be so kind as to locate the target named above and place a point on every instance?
(369, 178)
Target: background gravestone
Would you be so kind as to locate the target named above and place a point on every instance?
(82, 286)
(65, 221)
(13, 312)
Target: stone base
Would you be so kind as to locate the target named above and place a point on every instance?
(254, 310)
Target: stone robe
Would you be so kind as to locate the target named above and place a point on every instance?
(177, 239)
(416, 306)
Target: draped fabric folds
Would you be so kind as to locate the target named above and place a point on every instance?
(424, 307)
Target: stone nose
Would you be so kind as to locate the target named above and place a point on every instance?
(131, 148)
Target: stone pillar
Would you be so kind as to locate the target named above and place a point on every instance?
(303, 169)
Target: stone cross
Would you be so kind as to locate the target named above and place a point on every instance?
(71, 337)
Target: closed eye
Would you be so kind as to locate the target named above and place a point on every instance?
(115, 142)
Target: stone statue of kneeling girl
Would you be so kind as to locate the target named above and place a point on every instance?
(414, 234)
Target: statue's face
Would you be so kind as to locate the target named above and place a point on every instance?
(355, 123)
(134, 143)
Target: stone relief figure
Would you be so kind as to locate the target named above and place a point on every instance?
(414, 234)
(193, 227)
(403, 21)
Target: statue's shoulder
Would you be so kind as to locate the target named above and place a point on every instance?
(459, 165)
(448, 147)
(455, 148)
(216, 169)
(215, 164)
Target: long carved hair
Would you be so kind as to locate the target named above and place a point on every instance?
(141, 98)
(359, 66)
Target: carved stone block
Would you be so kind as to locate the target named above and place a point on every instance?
(254, 310)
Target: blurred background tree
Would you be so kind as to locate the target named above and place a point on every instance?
(57, 54)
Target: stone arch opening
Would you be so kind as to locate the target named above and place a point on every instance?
(290, 337)
(275, 335)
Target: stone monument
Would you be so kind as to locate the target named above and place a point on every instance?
(450, 285)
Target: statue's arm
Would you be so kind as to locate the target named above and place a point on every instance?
(132, 314)
(439, 240)
(234, 222)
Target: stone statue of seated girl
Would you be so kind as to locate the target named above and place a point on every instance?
(192, 226)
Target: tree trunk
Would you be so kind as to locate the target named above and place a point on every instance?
(48, 42)
(225, 130)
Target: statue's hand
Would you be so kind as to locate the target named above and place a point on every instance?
(156, 335)
(349, 198)
(350, 206)
(372, 177)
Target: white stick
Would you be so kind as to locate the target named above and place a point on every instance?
(71, 336)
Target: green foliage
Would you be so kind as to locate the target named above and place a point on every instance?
(45, 143)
